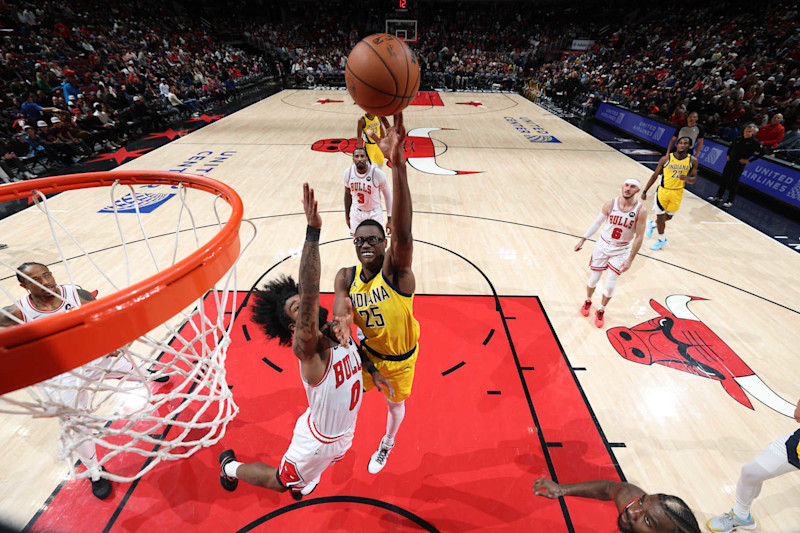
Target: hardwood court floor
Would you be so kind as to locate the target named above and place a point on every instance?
(509, 227)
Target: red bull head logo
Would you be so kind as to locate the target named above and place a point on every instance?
(418, 148)
(678, 339)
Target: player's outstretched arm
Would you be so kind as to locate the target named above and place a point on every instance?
(596, 225)
(305, 344)
(606, 490)
(400, 253)
(342, 306)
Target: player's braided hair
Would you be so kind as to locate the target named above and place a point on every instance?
(680, 513)
(269, 308)
(23, 266)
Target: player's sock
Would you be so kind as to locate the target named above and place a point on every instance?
(397, 411)
(601, 308)
(230, 468)
(661, 237)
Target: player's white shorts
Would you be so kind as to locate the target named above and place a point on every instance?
(606, 255)
(307, 457)
(357, 216)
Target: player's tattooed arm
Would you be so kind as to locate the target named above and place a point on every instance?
(306, 332)
(5, 320)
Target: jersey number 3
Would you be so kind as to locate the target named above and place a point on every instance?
(361, 198)
(372, 317)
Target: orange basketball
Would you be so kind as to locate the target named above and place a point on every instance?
(382, 74)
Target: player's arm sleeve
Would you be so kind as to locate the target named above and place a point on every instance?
(601, 218)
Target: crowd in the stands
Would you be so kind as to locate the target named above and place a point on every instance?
(731, 63)
(81, 77)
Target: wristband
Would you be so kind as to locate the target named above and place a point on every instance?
(312, 234)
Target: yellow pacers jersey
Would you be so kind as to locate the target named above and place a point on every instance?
(385, 315)
(673, 168)
(374, 153)
(373, 124)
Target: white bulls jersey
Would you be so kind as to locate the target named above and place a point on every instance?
(365, 189)
(335, 400)
(69, 300)
(620, 227)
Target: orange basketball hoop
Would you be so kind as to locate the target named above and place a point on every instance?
(171, 327)
(39, 350)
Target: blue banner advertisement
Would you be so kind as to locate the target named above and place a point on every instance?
(768, 175)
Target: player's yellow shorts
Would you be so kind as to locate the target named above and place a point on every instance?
(400, 373)
(667, 200)
(374, 153)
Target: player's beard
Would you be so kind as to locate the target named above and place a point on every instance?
(361, 166)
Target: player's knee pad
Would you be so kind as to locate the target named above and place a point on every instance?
(594, 279)
(611, 283)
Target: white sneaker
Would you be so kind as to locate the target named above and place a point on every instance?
(308, 489)
(378, 459)
(729, 521)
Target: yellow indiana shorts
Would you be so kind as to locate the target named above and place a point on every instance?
(400, 373)
(667, 201)
(374, 153)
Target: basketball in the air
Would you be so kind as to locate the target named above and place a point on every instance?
(382, 74)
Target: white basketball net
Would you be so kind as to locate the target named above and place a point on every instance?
(116, 402)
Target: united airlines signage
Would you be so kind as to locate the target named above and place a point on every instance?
(768, 175)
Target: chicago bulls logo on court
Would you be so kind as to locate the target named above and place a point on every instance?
(418, 148)
(678, 339)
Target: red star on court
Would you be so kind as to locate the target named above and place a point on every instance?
(206, 118)
(476, 104)
(169, 134)
(326, 101)
(121, 155)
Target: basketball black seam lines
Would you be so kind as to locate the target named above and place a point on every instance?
(375, 51)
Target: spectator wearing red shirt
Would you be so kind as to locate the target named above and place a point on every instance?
(771, 134)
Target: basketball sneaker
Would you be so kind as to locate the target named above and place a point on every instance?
(228, 483)
(651, 225)
(659, 244)
(599, 318)
(101, 488)
(727, 205)
(308, 489)
(585, 307)
(729, 521)
(378, 459)
(714, 199)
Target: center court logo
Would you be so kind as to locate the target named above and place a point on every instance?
(533, 132)
(146, 202)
